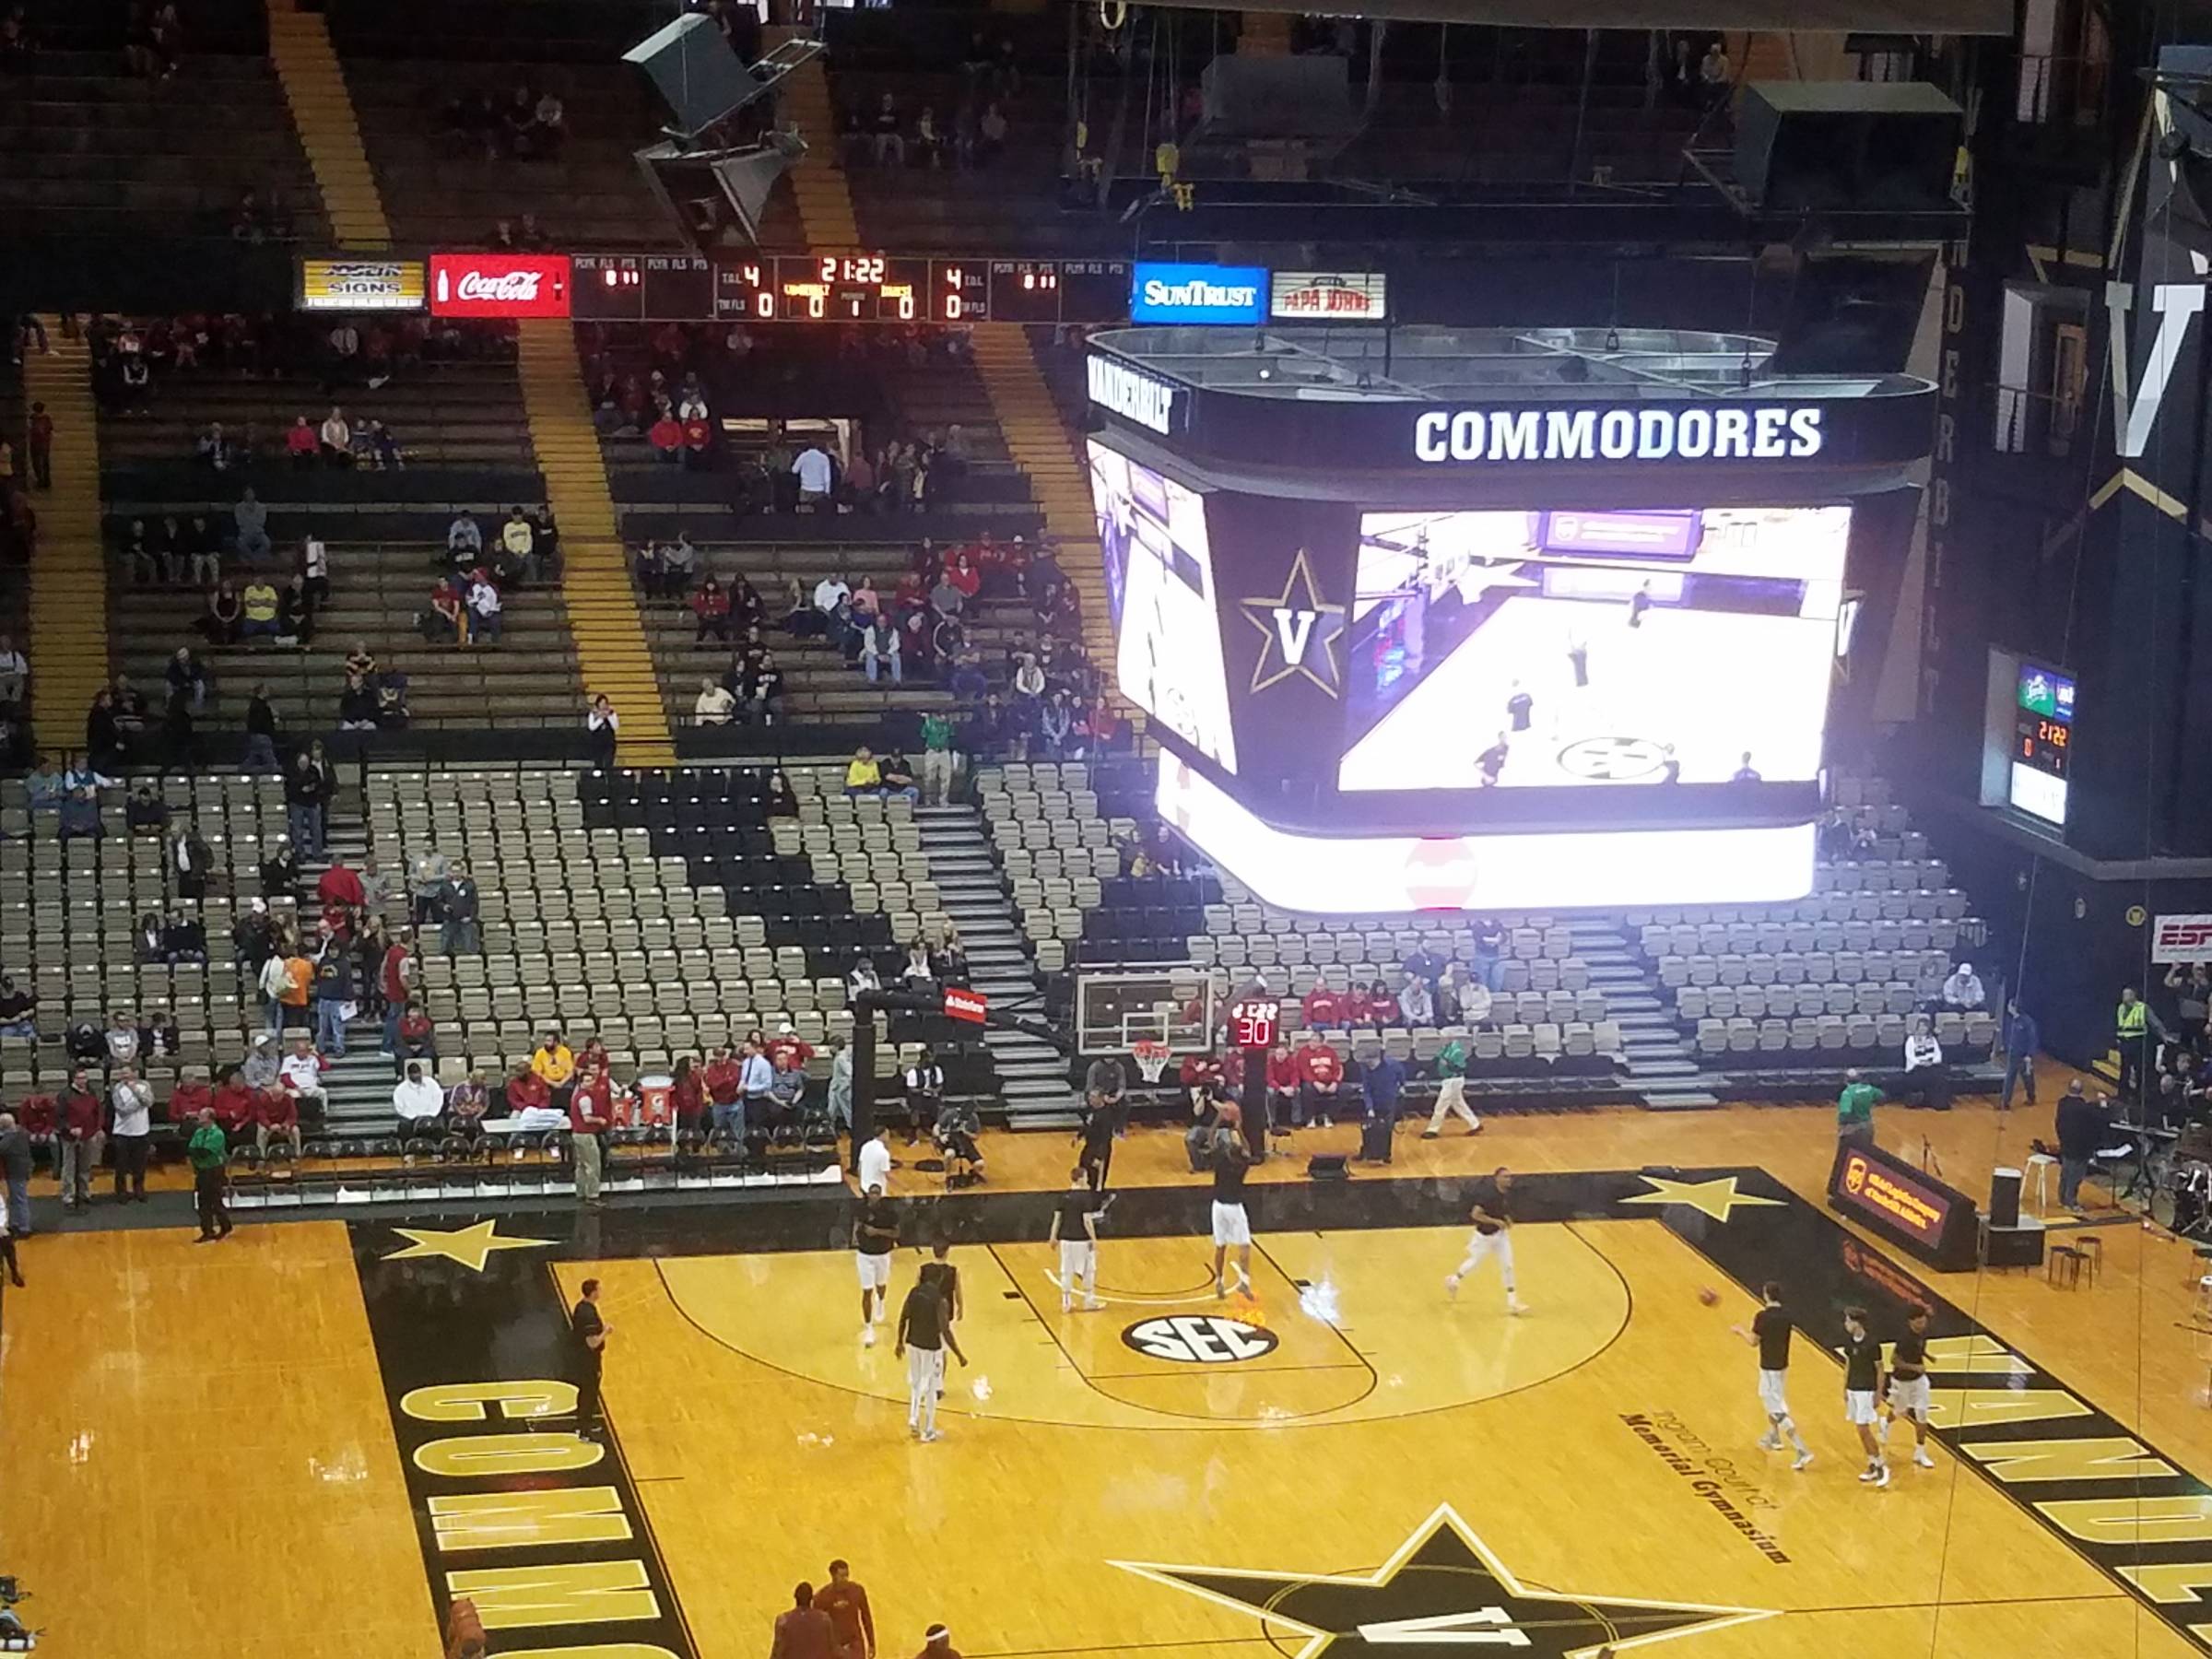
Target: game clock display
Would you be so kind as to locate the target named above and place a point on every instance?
(2042, 743)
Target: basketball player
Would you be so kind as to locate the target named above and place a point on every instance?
(1909, 1384)
(925, 1333)
(1491, 761)
(851, 1618)
(875, 1232)
(1232, 1227)
(1770, 1334)
(1862, 1376)
(1493, 1235)
(939, 1271)
(1076, 1230)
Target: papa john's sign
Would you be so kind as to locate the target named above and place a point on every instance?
(499, 285)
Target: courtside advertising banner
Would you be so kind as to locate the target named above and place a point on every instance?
(2182, 940)
(499, 285)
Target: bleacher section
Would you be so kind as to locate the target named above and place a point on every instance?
(439, 188)
(87, 149)
(528, 679)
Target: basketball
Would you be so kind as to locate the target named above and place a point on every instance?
(1707, 1295)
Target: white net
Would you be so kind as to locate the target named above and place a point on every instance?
(1151, 1060)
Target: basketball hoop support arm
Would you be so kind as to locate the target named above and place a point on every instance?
(865, 1005)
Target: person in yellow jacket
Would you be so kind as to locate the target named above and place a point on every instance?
(2132, 1034)
(556, 1067)
(862, 774)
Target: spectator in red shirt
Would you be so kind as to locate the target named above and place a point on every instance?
(339, 888)
(395, 979)
(711, 604)
(698, 434)
(1201, 1074)
(1378, 1007)
(302, 444)
(1324, 1009)
(1283, 1078)
(785, 1050)
(725, 1079)
(37, 1116)
(417, 1039)
(666, 437)
(234, 1105)
(186, 1101)
(275, 1113)
(1321, 1078)
(77, 1115)
(687, 1097)
(526, 1090)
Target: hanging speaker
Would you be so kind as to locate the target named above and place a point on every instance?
(696, 75)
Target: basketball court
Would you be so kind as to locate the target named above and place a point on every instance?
(302, 1443)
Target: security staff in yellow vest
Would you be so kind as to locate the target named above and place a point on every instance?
(2133, 1035)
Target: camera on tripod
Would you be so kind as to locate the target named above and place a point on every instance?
(15, 1636)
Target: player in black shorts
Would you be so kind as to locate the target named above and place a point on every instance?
(1770, 1334)
(1909, 1384)
(1862, 1381)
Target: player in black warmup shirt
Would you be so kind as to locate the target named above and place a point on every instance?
(1861, 1379)
(1076, 1230)
(925, 1333)
(875, 1232)
(1909, 1384)
(1232, 1227)
(1770, 1334)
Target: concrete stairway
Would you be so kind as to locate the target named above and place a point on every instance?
(1659, 1064)
(1033, 1075)
(612, 655)
(1041, 444)
(818, 179)
(68, 643)
(323, 112)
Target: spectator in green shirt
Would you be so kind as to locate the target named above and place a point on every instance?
(210, 1153)
(937, 761)
(1855, 1111)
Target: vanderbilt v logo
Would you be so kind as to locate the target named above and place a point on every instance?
(2134, 413)
(1293, 629)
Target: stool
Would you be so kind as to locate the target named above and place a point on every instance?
(2093, 1252)
(2066, 1257)
(2038, 1167)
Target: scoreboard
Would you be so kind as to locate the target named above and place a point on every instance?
(846, 288)
(2042, 742)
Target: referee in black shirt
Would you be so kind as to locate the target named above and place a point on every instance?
(588, 1331)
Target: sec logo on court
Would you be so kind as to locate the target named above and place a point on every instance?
(1200, 1339)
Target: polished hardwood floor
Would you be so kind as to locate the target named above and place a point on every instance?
(205, 1450)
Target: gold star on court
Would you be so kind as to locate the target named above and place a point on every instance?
(470, 1246)
(1716, 1197)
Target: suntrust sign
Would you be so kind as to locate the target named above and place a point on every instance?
(499, 285)
(1753, 432)
(1197, 293)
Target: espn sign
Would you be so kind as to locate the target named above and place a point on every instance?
(969, 1005)
(2181, 939)
(1329, 297)
(499, 285)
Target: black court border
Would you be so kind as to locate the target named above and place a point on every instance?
(435, 1321)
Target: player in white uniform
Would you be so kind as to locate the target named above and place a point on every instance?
(1770, 1334)
(1076, 1230)
(1909, 1384)
(1493, 1235)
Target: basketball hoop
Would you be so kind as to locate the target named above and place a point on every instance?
(1151, 1059)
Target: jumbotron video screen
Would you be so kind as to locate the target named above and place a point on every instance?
(1579, 648)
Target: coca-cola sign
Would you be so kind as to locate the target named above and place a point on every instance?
(499, 285)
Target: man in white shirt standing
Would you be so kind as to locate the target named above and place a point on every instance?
(132, 1099)
(816, 477)
(419, 1102)
(876, 1160)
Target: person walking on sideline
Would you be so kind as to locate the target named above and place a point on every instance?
(588, 1330)
(2022, 1037)
(1855, 1111)
(209, 1152)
